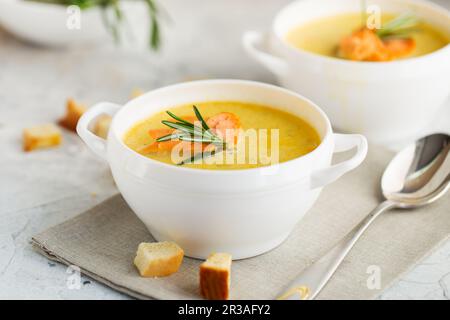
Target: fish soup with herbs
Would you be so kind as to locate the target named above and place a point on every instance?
(222, 135)
(346, 36)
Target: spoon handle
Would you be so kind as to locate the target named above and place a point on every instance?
(312, 279)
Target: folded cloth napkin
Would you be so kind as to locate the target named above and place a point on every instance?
(103, 243)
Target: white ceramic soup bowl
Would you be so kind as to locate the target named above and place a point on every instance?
(385, 101)
(57, 25)
(242, 212)
(47, 23)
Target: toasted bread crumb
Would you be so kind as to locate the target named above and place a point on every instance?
(215, 275)
(74, 111)
(158, 259)
(101, 126)
(41, 136)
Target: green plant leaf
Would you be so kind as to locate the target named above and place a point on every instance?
(401, 25)
(200, 118)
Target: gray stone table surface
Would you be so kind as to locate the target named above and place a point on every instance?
(41, 189)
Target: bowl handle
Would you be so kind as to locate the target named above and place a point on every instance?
(342, 142)
(94, 142)
(252, 41)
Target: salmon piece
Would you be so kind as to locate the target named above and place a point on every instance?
(166, 146)
(399, 47)
(363, 45)
(226, 125)
(157, 133)
(159, 147)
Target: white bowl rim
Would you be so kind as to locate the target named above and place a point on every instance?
(327, 135)
(370, 64)
(48, 5)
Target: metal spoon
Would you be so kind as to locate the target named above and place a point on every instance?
(416, 176)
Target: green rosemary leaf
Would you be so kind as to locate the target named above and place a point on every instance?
(179, 126)
(199, 139)
(400, 25)
(200, 118)
(400, 34)
(178, 118)
(187, 128)
(199, 156)
(172, 136)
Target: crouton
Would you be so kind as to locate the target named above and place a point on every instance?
(215, 274)
(41, 136)
(158, 259)
(74, 111)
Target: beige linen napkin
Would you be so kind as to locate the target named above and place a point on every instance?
(103, 242)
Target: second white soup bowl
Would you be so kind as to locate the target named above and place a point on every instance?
(388, 102)
(242, 212)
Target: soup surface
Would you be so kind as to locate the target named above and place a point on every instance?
(322, 36)
(295, 136)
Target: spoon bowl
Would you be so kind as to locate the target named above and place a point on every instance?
(419, 174)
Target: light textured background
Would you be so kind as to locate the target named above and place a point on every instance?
(41, 189)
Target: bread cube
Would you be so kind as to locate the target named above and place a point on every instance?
(158, 259)
(41, 136)
(74, 111)
(215, 274)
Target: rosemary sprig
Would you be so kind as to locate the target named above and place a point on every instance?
(177, 118)
(112, 24)
(399, 26)
(190, 131)
(187, 131)
(199, 117)
(201, 155)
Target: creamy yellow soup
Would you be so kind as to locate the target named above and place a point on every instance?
(322, 36)
(295, 136)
